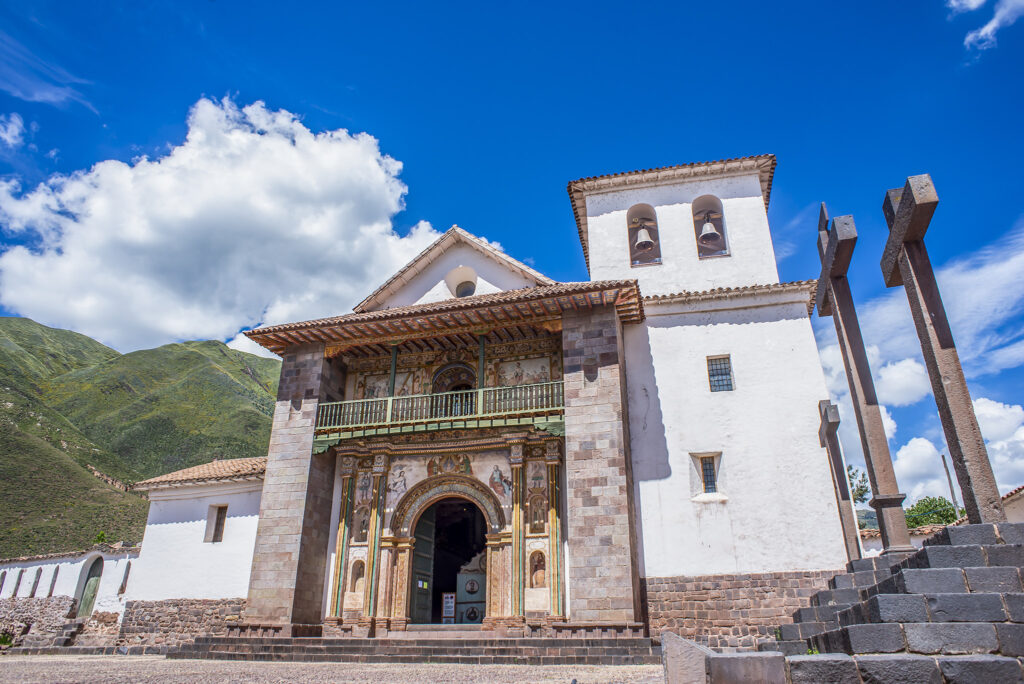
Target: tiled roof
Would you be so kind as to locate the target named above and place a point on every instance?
(227, 469)
(510, 307)
(810, 286)
(453, 235)
(117, 547)
(764, 164)
(922, 531)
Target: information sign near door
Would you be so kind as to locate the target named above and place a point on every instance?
(448, 607)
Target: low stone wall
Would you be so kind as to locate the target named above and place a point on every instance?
(730, 611)
(175, 621)
(34, 615)
(101, 630)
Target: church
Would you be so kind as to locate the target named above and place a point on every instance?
(478, 447)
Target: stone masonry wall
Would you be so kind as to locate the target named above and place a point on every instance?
(36, 615)
(290, 555)
(602, 574)
(730, 611)
(173, 622)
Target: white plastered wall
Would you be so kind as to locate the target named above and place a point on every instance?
(777, 510)
(751, 259)
(429, 285)
(176, 562)
(71, 574)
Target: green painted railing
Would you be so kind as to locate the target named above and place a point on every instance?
(487, 402)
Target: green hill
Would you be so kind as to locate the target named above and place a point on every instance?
(67, 401)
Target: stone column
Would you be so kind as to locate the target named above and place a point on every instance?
(290, 554)
(377, 496)
(552, 457)
(908, 213)
(518, 532)
(835, 247)
(348, 467)
(828, 439)
(601, 564)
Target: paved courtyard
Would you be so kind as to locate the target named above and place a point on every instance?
(98, 669)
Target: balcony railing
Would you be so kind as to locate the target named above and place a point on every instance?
(426, 409)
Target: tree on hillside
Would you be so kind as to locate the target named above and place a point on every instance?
(932, 510)
(859, 489)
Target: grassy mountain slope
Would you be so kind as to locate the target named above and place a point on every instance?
(67, 401)
(172, 407)
(50, 503)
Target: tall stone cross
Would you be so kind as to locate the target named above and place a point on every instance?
(828, 438)
(835, 247)
(908, 212)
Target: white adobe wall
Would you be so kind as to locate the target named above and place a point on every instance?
(751, 259)
(779, 509)
(71, 572)
(429, 285)
(175, 561)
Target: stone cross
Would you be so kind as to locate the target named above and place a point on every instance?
(828, 439)
(835, 247)
(908, 212)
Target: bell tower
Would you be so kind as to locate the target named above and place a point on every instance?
(684, 228)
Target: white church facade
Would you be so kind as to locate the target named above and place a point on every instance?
(478, 444)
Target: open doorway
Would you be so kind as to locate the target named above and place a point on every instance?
(448, 559)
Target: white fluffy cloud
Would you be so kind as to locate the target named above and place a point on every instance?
(902, 383)
(919, 471)
(1006, 13)
(12, 129)
(1002, 426)
(252, 219)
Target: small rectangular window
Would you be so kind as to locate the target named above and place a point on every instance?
(215, 520)
(720, 374)
(707, 471)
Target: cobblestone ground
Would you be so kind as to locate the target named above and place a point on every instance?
(156, 669)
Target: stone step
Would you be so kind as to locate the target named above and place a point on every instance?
(954, 638)
(986, 533)
(875, 563)
(804, 630)
(301, 655)
(832, 597)
(536, 642)
(859, 580)
(968, 556)
(956, 607)
(785, 647)
(953, 669)
(819, 613)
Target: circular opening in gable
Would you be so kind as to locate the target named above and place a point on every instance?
(461, 281)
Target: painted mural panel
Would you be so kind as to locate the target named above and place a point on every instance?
(523, 372)
(376, 386)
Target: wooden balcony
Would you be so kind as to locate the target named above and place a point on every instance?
(538, 404)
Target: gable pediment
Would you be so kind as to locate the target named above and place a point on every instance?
(455, 263)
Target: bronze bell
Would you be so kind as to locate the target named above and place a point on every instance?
(643, 240)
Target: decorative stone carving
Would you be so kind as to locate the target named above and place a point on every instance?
(422, 495)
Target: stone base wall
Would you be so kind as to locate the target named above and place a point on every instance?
(730, 611)
(176, 621)
(47, 615)
(101, 630)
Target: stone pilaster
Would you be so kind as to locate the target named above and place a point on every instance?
(552, 458)
(373, 559)
(518, 531)
(601, 568)
(290, 554)
(344, 520)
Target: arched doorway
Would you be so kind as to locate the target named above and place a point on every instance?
(448, 562)
(90, 588)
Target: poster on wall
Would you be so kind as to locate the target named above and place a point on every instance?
(524, 372)
(448, 604)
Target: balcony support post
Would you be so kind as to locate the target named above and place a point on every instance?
(480, 381)
(393, 371)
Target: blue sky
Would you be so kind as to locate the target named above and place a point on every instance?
(132, 192)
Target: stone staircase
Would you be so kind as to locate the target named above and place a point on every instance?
(465, 650)
(954, 606)
(36, 643)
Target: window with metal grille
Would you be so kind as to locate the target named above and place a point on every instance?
(720, 373)
(707, 471)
